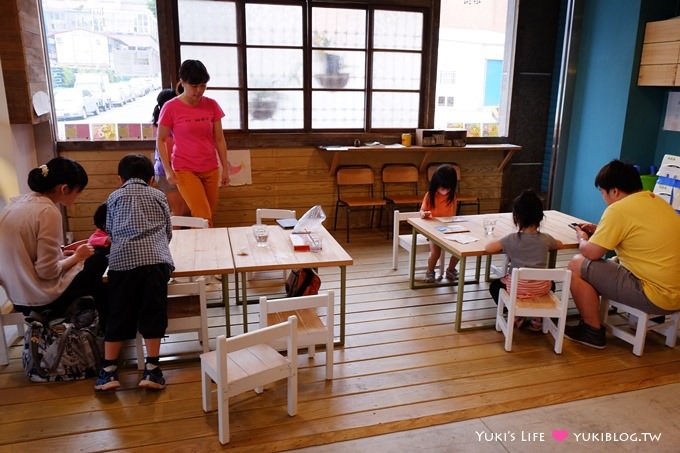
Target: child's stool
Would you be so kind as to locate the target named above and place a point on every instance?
(11, 329)
(668, 328)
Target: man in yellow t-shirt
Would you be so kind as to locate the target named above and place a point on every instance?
(644, 231)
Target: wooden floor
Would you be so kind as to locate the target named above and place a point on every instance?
(403, 366)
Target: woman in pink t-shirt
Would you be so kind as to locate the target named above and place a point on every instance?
(195, 122)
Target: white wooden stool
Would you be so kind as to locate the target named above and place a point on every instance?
(11, 328)
(668, 328)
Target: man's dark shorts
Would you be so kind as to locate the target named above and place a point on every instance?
(615, 282)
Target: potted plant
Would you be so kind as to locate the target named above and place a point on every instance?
(333, 76)
(262, 104)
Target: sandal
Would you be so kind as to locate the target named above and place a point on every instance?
(534, 324)
(429, 277)
(452, 274)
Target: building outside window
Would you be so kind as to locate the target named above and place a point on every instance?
(103, 53)
(476, 44)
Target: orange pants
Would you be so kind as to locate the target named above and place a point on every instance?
(199, 190)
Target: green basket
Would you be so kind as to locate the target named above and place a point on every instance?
(648, 182)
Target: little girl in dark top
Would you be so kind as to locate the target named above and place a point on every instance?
(528, 247)
(100, 238)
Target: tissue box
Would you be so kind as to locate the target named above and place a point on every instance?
(441, 137)
(300, 242)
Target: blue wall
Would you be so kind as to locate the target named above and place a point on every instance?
(613, 118)
(600, 104)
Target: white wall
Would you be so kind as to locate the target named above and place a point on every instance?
(17, 152)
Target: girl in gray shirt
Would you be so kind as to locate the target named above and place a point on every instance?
(528, 247)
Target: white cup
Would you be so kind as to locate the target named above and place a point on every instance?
(489, 225)
(261, 234)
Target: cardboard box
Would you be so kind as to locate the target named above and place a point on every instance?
(441, 137)
(300, 242)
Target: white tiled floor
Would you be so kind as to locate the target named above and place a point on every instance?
(615, 423)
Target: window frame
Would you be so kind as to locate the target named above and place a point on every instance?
(168, 26)
(169, 49)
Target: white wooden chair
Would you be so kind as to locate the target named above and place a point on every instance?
(405, 240)
(187, 312)
(12, 326)
(635, 332)
(312, 330)
(546, 307)
(263, 214)
(188, 222)
(247, 362)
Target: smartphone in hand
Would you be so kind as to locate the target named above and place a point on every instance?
(573, 225)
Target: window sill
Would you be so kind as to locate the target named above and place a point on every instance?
(267, 140)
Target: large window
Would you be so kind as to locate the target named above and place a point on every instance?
(105, 67)
(306, 67)
(297, 66)
(476, 46)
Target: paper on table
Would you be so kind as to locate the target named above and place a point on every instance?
(462, 238)
(452, 229)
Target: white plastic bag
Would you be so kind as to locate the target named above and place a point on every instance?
(310, 221)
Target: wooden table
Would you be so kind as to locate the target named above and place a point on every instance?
(204, 251)
(555, 223)
(279, 255)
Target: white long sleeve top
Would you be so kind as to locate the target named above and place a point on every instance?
(31, 259)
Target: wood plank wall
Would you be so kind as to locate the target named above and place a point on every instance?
(289, 178)
(23, 59)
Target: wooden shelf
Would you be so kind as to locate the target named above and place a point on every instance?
(427, 153)
(660, 59)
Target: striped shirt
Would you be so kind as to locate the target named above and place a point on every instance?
(138, 221)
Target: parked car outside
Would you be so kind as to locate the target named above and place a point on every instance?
(120, 94)
(98, 85)
(74, 103)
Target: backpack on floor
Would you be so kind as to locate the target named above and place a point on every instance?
(302, 282)
(64, 349)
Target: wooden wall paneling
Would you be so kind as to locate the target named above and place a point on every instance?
(287, 178)
(23, 63)
(102, 172)
(14, 64)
